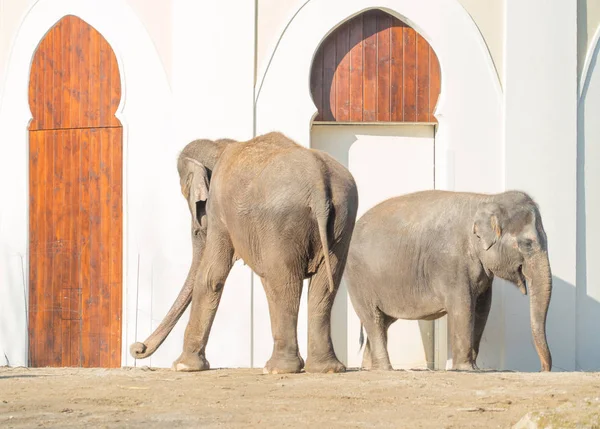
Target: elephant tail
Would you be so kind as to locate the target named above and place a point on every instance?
(361, 338)
(322, 216)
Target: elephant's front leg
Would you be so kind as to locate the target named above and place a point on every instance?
(462, 317)
(321, 356)
(482, 311)
(208, 288)
(284, 304)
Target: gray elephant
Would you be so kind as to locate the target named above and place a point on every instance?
(289, 213)
(426, 254)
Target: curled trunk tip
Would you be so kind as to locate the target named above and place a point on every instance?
(138, 350)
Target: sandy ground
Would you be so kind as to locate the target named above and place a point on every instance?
(140, 397)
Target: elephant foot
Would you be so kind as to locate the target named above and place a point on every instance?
(465, 366)
(189, 362)
(329, 366)
(278, 365)
(378, 367)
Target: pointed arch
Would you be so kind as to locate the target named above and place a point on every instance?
(75, 200)
(375, 68)
(74, 79)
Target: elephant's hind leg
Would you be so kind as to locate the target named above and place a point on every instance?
(208, 288)
(284, 304)
(321, 356)
(375, 355)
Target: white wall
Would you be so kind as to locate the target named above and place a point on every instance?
(157, 18)
(12, 13)
(541, 158)
(213, 69)
(588, 229)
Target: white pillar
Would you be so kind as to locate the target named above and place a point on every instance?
(541, 159)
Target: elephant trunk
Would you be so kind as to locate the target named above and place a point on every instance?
(538, 273)
(143, 350)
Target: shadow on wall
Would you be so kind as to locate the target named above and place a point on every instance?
(520, 354)
(588, 287)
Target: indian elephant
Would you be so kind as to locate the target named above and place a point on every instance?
(426, 254)
(288, 212)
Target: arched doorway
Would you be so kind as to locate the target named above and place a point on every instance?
(75, 200)
(375, 82)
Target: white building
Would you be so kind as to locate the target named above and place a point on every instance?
(518, 108)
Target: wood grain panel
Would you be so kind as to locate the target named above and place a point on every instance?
(329, 79)
(383, 67)
(75, 199)
(375, 68)
(356, 69)
(397, 71)
(75, 80)
(370, 67)
(410, 75)
(342, 92)
(75, 247)
(423, 76)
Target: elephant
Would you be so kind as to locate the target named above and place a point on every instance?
(288, 212)
(426, 254)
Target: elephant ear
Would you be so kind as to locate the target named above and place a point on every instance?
(487, 224)
(194, 185)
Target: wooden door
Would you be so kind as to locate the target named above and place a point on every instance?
(375, 68)
(75, 200)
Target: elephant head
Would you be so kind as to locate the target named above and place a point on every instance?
(195, 165)
(511, 242)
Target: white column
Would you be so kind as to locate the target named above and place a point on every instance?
(541, 159)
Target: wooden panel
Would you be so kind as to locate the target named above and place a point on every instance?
(370, 67)
(383, 67)
(75, 80)
(342, 97)
(329, 79)
(75, 188)
(75, 247)
(410, 75)
(375, 68)
(397, 71)
(423, 74)
(356, 69)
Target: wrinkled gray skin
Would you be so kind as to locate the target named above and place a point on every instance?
(289, 213)
(423, 255)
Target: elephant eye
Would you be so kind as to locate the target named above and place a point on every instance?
(525, 244)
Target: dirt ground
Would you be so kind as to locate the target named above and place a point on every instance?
(141, 397)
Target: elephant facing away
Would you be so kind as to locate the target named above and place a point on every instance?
(289, 213)
(426, 254)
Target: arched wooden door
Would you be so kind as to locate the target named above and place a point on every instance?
(75, 200)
